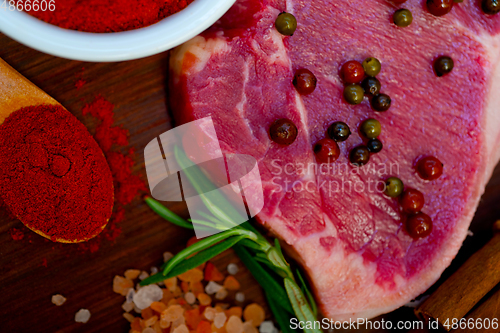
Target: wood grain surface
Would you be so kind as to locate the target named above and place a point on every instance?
(27, 281)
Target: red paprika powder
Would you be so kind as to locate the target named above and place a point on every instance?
(109, 15)
(53, 175)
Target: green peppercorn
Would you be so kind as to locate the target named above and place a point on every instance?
(370, 128)
(491, 7)
(402, 18)
(286, 24)
(339, 131)
(353, 94)
(374, 145)
(359, 156)
(443, 65)
(371, 66)
(381, 102)
(393, 187)
(371, 86)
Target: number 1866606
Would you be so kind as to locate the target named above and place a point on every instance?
(29, 5)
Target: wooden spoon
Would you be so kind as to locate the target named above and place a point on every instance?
(17, 92)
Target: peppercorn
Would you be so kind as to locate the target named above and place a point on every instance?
(381, 102)
(326, 151)
(353, 94)
(491, 7)
(443, 65)
(439, 7)
(359, 156)
(371, 128)
(304, 81)
(352, 72)
(371, 86)
(412, 201)
(429, 168)
(402, 18)
(374, 145)
(339, 131)
(371, 66)
(286, 24)
(283, 131)
(393, 187)
(419, 225)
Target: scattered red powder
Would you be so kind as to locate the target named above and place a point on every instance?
(79, 84)
(44, 262)
(16, 234)
(127, 185)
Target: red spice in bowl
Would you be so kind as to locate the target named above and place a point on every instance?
(53, 175)
(109, 15)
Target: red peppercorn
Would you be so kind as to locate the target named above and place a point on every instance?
(429, 168)
(412, 201)
(439, 7)
(326, 151)
(419, 225)
(352, 72)
(304, 81)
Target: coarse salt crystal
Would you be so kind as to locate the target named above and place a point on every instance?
(209, 313)
(212, 287)
(232, 269)
(221, 294)
(180, 329)
(82, 316)
(148, 330)
(267, 327)
(240, 297)
(129, 317)
(137, 310)
(234, 325)
(190, 298)
(58, 299)
(154, 270)
(128, 306)
(167, 256)
(147, 295)
(143, 275)
(130, 295)
(220, 319)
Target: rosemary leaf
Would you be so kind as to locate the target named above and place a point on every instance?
(300, 305)
(266, 281)
(309, 295)
(167, 214)
(281, 316)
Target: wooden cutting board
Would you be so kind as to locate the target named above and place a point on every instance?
(34, 269)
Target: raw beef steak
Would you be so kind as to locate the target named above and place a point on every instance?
(349, 237)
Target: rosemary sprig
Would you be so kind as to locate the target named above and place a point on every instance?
(284, 294)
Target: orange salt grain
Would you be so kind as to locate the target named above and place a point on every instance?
(173, 301)
(128, 316)
(151, 321)
(147, 313)
(255, 313)
(234, 311)
(185, 286)
(177, 292)
(121, 285)
(167, 295)
(209, 313)
(158, 307)
(204, 327)
(136, 325)
(157, 327)
(196, 287)
(193, 318)
(230, 283)
(132, 274)
(204, 299)
(193, 275)
(212, 273)
(181, 301)
(171, 283)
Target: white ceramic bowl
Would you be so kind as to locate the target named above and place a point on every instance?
(166, 34)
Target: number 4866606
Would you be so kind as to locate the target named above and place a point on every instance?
(29, 5)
